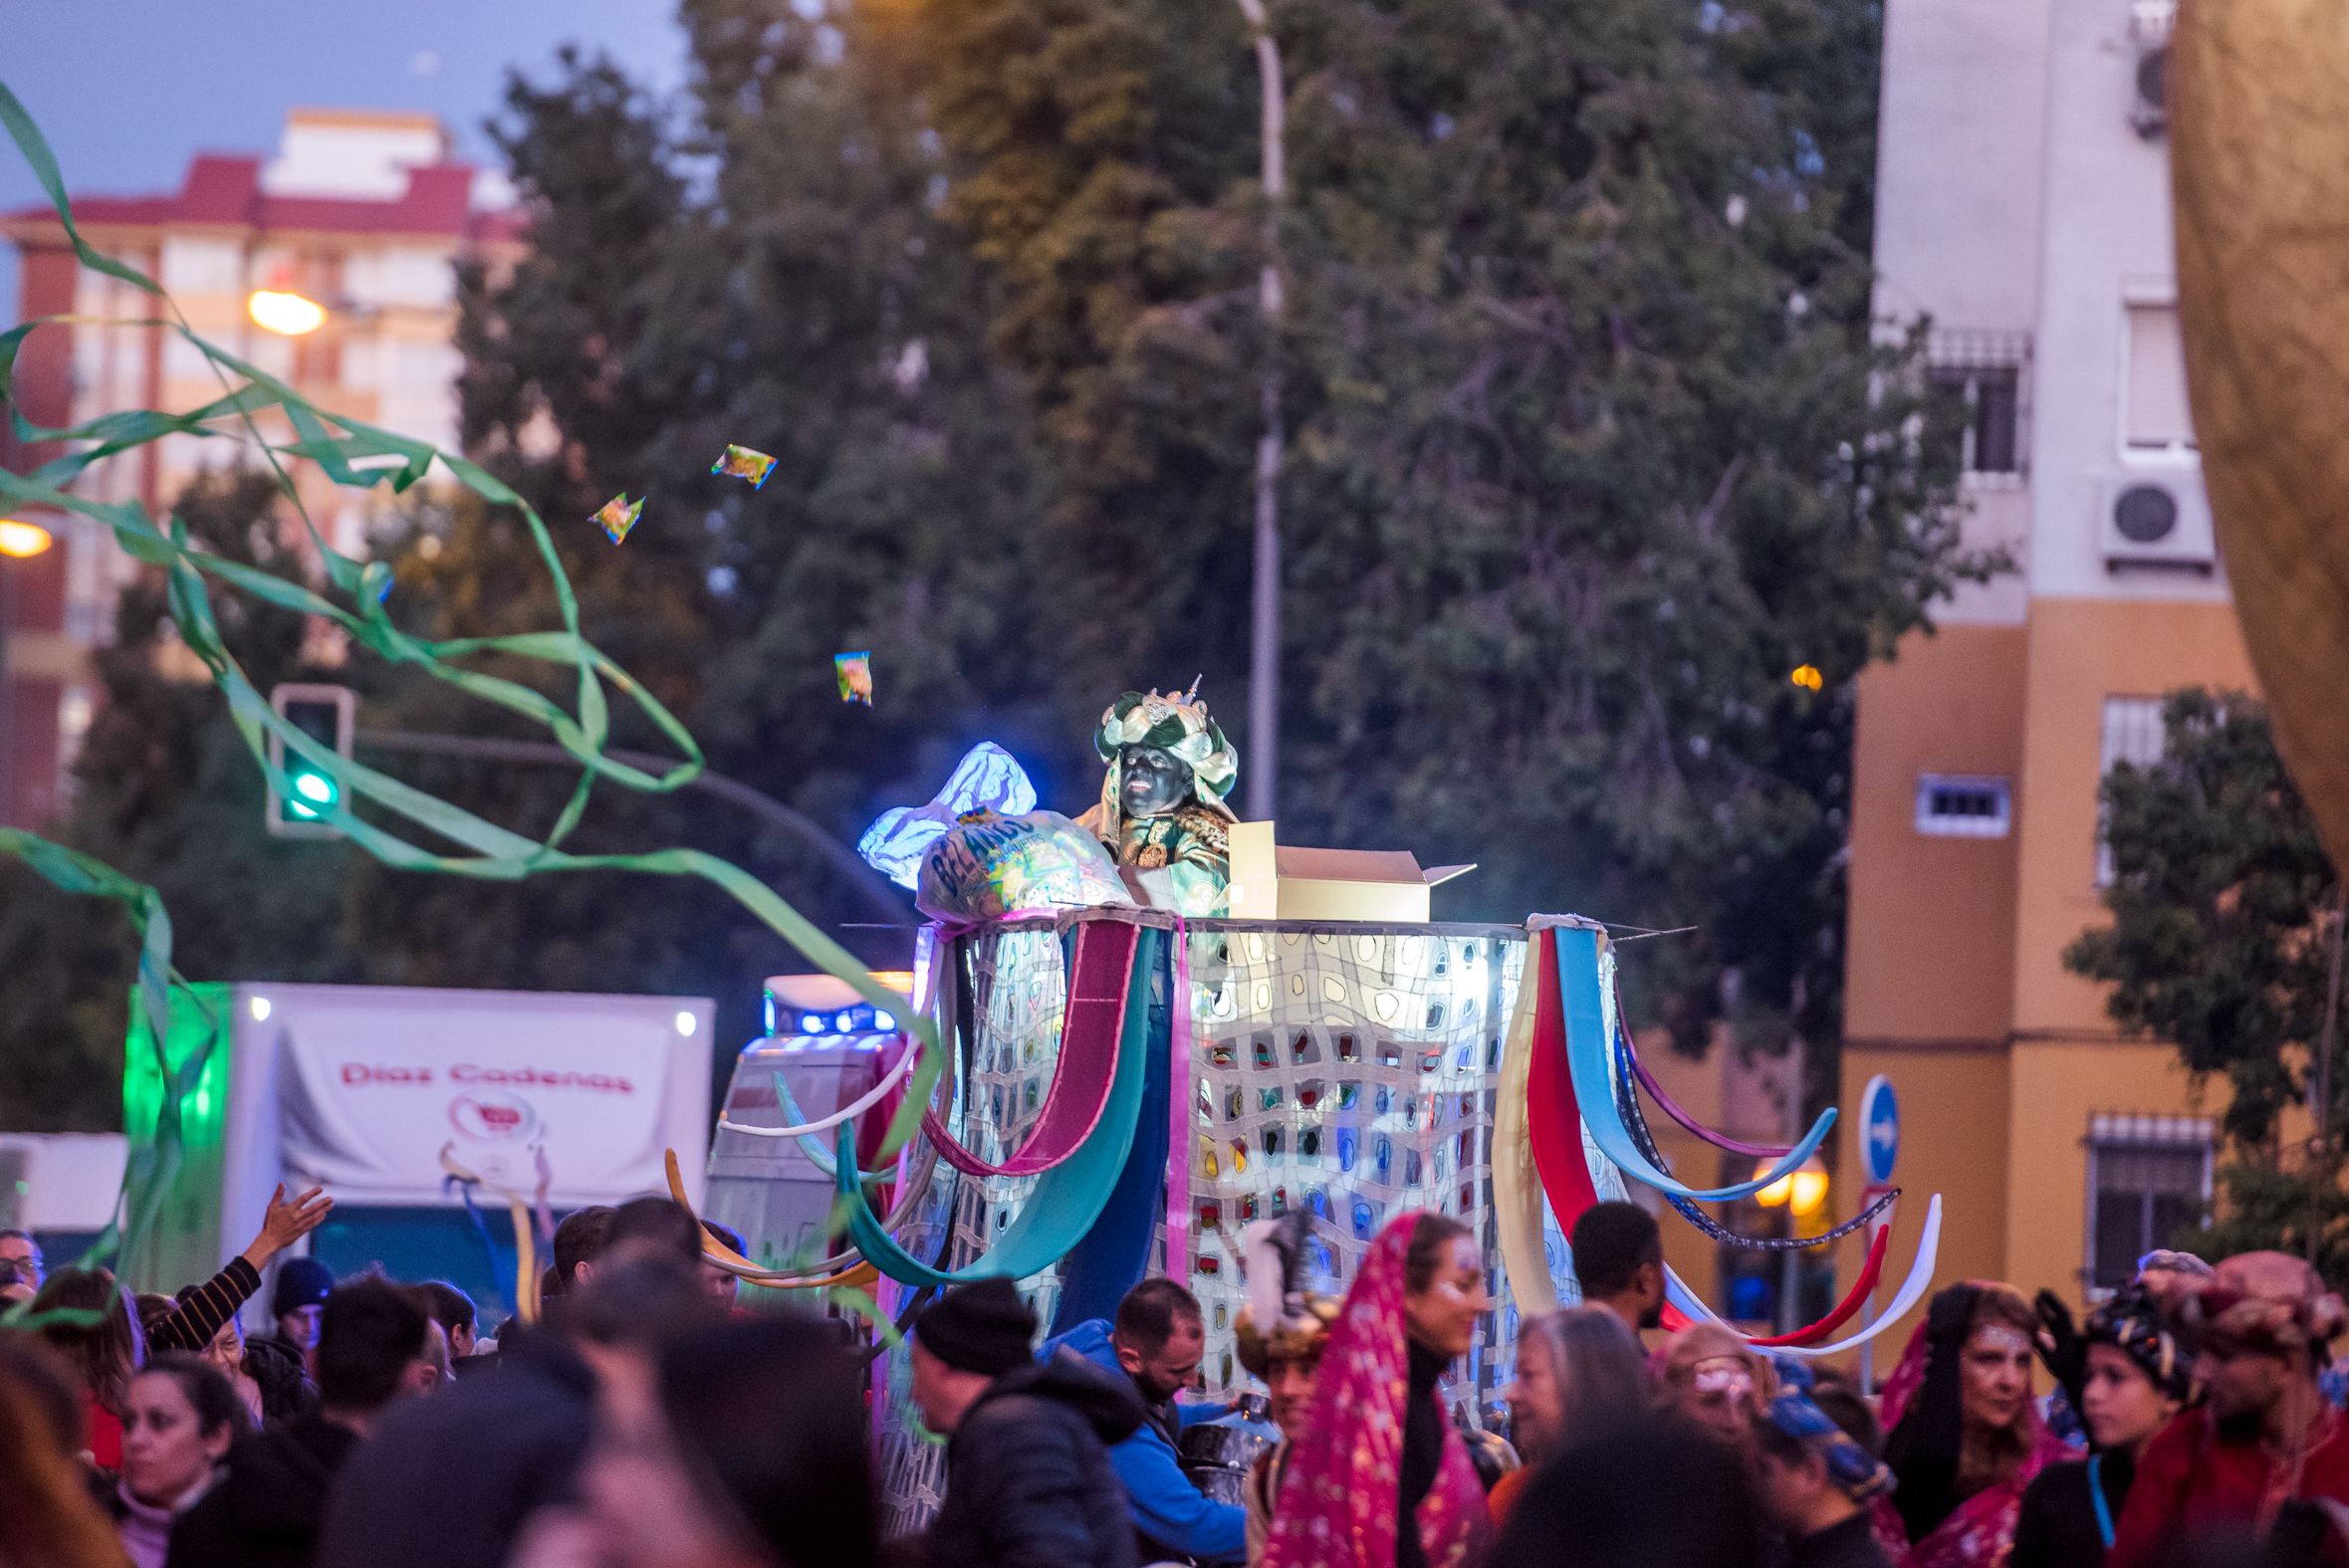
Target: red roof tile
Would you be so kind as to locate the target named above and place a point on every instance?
(226, 189)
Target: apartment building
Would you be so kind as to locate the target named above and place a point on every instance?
(351, 231)
(2023, 207)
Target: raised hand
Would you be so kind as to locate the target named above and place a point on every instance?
(286, 1223)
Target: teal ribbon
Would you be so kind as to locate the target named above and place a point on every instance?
(1065, 1200)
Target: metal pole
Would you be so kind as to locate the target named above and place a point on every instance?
(1263, 624)
(868, 882)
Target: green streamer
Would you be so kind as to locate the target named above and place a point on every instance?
(354, 454)
(153, 1158)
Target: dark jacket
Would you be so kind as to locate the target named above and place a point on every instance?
(1028, 1483)
(448, 1479)
(2056, 1527)
(1851, 1544)
(267, 1512)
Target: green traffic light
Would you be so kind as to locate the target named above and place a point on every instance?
(315, 787)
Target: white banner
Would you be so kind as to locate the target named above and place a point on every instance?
(374, 1082)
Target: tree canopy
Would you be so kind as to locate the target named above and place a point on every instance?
(2220, 940)
(1592, 442)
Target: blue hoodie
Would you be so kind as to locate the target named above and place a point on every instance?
(1168, 1510)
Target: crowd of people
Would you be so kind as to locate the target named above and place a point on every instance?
(646, 1419)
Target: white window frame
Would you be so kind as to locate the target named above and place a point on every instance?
(1933, 825)
(1975, 350)
(2148, 295)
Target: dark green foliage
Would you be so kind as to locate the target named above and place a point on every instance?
(2217, 942)
(2218, 898)
(1580, 467)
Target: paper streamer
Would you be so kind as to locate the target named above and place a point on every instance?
(341, 446)
(741, 1268)
(526, 1250)
(154, 1158)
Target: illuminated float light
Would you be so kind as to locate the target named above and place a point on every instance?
(813, 1023)
(1807, 677)
(686, 1023)
(259, 1008)
(882, 1020)
(767, 1006)
(284, 313)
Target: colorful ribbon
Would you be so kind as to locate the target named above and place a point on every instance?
(1178, 1101)
(1587, 1038)
(1627, 1104)
(1629, 1054)
(1091, 1015)
(1065, 1200)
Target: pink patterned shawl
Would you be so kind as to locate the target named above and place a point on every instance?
(1341, 1501)
(1980, 1533)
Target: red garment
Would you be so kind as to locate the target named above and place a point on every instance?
(106, 1433)
(2189, 1480)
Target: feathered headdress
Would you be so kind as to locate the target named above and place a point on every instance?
(1282, 1321)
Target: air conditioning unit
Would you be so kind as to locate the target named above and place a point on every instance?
(2146, 520)
(2150, 23)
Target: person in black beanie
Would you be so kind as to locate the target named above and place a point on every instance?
(1027, 1476)
(295, 1303)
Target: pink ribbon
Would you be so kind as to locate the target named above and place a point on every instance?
(1091, 1021)
(1178, 1102)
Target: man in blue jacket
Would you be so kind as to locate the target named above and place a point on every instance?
(1157, 1341)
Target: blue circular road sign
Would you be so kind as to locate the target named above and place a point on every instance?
(1879, 1128)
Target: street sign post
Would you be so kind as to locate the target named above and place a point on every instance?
(1879, 1147)
(1879, 1128)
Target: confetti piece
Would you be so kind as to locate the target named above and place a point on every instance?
(854, 672)
(743, 463)
(620, 515)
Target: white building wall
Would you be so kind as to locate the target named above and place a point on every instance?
(2108, 245)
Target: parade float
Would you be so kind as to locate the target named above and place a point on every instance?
(1133, 1069)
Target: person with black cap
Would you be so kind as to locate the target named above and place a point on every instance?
(1028, 1483)
(2133, 1379)
(302, 1284)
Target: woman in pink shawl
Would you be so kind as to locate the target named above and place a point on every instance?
(1962, 1433)
(1379, 1478)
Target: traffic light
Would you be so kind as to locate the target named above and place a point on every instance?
(297, 789)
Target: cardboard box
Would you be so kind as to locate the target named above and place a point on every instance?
(1273, 882)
